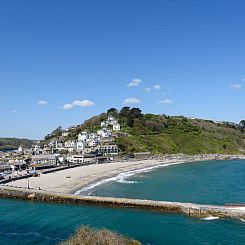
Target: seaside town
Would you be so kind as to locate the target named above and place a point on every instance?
(122, 122)
(58, 153)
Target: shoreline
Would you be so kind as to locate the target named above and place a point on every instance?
(77, 179)
(121, 177)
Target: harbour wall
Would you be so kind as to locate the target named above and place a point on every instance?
(196, 210)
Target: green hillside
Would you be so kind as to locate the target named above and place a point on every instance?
(170, 134)
(14, 143)
(181, 135)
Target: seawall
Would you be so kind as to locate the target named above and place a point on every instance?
(197, 210)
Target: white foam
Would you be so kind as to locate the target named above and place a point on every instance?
(127, 181)
(122, 176)
(210, 218)
(243, 220)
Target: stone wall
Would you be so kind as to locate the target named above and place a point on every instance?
(190, 209)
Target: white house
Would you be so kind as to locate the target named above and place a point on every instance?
(84, 136)
(93, 136)
(104, 133)
(93, 143)
(112, 122)
(81, 145)
(103, 124)
(20, 149)
(70, 145)
(116, 127)
(100, 132)
(65, 133)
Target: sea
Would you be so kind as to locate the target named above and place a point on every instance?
(209, 182)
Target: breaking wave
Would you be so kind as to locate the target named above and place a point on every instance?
(210, 218)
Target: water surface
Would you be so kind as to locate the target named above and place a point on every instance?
(217, 182)
(209, 182)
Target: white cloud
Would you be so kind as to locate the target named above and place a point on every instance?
(166, 101)
(14, 111)
(236, 86)
(83, 103)
(42, 102)
(157, 86)
(148, 90)
(78, 103)
(131, 101)
(134, 83)
(68, 106)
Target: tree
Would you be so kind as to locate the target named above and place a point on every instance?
(124, 115)
(136, 113)
(128, 115)
(112, 112)
(125, 111)
(242, 124)
(57, 131)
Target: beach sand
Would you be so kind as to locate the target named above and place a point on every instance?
(71, 180)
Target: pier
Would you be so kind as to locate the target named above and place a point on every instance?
(190, 209)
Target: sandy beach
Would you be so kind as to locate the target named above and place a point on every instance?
(72, 180)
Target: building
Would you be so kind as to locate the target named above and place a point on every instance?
(20, 149)
(111, 121)
(37, 166)
(81, 145)
(104, 133)
(93, 143)
(116, 127)
(109, 149)
(93, 136)
(142, 154)
(65, 133)
(83, 136)
(70, 145)
(45, 159)
(75, 159)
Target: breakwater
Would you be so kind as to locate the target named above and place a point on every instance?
(196, 210)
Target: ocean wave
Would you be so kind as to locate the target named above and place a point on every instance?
(243, 220)
(120, 178)
(127, 181)
(210, 218)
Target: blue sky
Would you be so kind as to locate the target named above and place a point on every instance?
(64, 61)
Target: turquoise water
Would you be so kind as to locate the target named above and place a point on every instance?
(211, 182)
(45, 223)
(40, 223)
